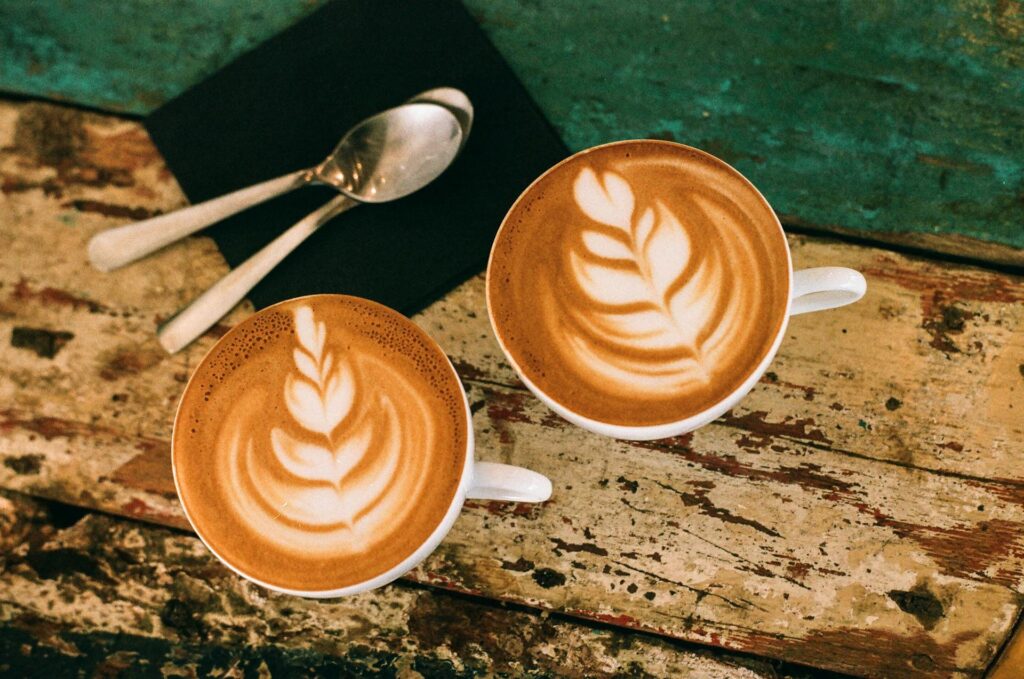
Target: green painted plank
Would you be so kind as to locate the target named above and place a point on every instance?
(895, 117)
(129, 55)
(899, 120)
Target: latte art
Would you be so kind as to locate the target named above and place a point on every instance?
(654, 309)
(638, 283)
(336, 469)
(320, 442)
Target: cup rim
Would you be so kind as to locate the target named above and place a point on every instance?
(409, 562)
(661, 429)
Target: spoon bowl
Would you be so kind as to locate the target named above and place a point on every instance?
(455, 101)
(393, 154)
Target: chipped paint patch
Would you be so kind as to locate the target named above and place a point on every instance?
(44, 343)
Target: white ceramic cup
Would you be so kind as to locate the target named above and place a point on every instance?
(814, 289)
(479, 481)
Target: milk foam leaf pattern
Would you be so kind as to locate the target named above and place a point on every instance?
(313, 462)
(325, 369)
(306, 365)
(610, 202)
(311, 334)
(319, 396)
(320, 401)
(606, 246)
(652, 298)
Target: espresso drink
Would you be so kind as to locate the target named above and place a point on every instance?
(639, 283)
(320, 442)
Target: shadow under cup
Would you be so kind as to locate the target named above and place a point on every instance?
(641, 288)
(323, 446)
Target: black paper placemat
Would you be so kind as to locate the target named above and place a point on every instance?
(286, 104)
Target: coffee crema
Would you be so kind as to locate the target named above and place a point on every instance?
(639, 283)
(320, 443)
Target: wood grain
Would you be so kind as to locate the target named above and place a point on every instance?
(861, 511)
(111, 597)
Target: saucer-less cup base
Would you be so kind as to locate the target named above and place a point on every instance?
(814, 289)
(479, 481)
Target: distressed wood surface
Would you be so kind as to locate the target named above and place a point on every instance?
(130, 56)
(108, 597)
(862, 511)
(901, 121)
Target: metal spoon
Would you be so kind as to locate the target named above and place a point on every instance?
(384, 158)
(455, 101)
(346, 169)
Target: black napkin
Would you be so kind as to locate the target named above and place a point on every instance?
(284, 106)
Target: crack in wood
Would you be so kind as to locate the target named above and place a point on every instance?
(705, 506)
(701, 593)
(759, 569)
(990, 481)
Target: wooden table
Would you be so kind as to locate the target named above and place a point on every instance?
(861, 512)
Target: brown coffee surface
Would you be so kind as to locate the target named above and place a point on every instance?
(639, 283)
(320, 442)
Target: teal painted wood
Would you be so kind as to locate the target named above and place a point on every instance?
(901, 120)
(130, 55)
(896, 117)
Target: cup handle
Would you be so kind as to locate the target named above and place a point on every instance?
(496, 481)
(825, 287)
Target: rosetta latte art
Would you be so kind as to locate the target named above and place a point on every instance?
(638, 283)
(320, 443)
(657, 310)
(335, 470)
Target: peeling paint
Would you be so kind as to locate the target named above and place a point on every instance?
(24, 292)
(44, 343)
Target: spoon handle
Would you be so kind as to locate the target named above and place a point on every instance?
(195, 319)
(121, 245)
